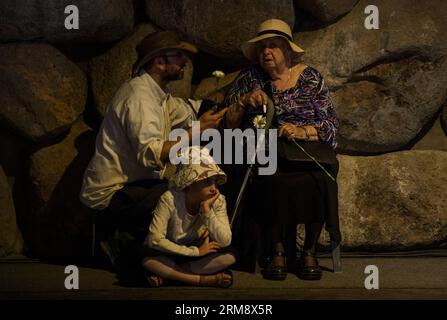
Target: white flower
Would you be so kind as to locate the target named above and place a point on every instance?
(218, 74)
(259, 122)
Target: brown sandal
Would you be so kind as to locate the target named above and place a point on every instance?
(221, 281)
(155, 281)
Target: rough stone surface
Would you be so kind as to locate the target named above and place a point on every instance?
(62, 225)
(14, 158)
(10, 238)
(393, 202)
(221, 27)
(110, 70)
(387, 83)
(13, 152)
(434, 139)
(326, 10)
(443, 119)
(41, 96)
(99, 21)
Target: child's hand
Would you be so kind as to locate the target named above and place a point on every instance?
(205, 235)
(207, 204)
(207, 246)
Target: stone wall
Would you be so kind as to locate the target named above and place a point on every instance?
(389, 88)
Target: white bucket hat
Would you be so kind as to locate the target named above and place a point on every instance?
(269, 29)
(200, 166)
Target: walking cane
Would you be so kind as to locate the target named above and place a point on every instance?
(239, 196)
(269, 111)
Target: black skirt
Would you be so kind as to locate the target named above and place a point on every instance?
(298, 193)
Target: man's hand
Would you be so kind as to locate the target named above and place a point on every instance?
(207, 246)
(209, 120)
(217, 97)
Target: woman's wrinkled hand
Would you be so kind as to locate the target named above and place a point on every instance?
(256, 98)
(291, 131)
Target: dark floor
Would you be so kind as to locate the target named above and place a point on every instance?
(399, 278)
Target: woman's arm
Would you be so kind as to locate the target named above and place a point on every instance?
(244, 91)
(256, 98)
(291, 131)
(327, 124)
(324, 123)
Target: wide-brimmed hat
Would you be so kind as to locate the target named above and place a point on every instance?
(269, 29)
(199, 166)
(156, 43)
(209, 86)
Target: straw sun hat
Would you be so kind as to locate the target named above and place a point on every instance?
(268, 29)
(155, 44)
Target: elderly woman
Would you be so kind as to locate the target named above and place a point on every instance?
(299, 192)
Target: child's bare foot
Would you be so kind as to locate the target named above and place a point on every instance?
(220, 280)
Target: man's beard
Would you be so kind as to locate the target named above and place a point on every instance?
(174, 73)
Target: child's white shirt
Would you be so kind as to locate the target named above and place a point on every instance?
(174, 230)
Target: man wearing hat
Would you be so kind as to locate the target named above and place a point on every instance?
(126, 174)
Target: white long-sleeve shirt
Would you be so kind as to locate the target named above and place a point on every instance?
(129, 143)
(174, 230)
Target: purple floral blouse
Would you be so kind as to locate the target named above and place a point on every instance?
(307, 103)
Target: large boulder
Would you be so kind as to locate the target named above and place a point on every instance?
(218, 27)
(14, 152)
(443, 119)
(388, 83)
(393, 202)
(326, 10)
(10, 238)
(434, 139)
(62, 225)
(110, 70)
(386, 107)
(107, 72)
(99, 21)
(42, 93)
(14, 159)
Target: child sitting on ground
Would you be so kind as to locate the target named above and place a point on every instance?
(190, 230)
